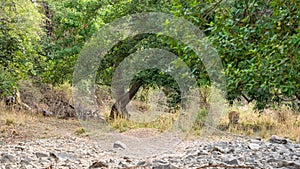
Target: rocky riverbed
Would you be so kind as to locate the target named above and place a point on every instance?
(73, 152)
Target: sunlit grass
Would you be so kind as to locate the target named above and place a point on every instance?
(80, 131)
(275, 121)
(14, 117)
(162, 123)
(281, 121)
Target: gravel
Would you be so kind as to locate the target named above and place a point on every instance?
(73, 152)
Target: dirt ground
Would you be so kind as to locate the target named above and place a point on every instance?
(37, 128)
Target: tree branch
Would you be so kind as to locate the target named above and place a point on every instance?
(246, 98)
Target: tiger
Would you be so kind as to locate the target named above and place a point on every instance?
(233, 117)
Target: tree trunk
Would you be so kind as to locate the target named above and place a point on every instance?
(119, 108)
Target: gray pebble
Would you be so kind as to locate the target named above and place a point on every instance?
(119, 144)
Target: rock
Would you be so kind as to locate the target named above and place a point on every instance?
(254, 146)
(167, 166)
(202, 153)
(119, 144)
(26, 161)
(216, 149)
(41, 154)
(54, 156)
(232, 162)
(19, 148)
(98, 164)
(6, 157)
(9, 166)
(66, 156)
(78, 153)
(122, 164)
(160, 164)
(157, 161)
(258, 138)
(284, 163)
(141, 163)
(278, 140)
(50, 167)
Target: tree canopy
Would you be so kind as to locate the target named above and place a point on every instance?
(20, 42)
(258, 43)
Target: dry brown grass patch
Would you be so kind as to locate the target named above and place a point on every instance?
(13, 117)
(281, 121)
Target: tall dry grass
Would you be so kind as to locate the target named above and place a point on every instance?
(282, 121)
(15, 117)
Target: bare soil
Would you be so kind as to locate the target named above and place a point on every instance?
(39, 128)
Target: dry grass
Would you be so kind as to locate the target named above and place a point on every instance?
(148, 110)
(12, 121)
(13, 117)
(281, 121)
(80, 131)
(161, 123)
(275, 121)
(25, 125)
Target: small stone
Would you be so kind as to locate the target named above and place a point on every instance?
(98, 164)
(119, 144)
(232, 162)
(66, 156)
(278, 140)
(41, 154)
(122, 164)
(7, 158)
(258, 138)
(8, 166)
(288, 164)
(202, 153)
(161, 166)
(26, 161)
(141, 163)
(20, 148)
(254, 146)
(218, 149)
(54, 156)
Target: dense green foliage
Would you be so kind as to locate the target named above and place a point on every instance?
(258, 43)
(20, 38)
